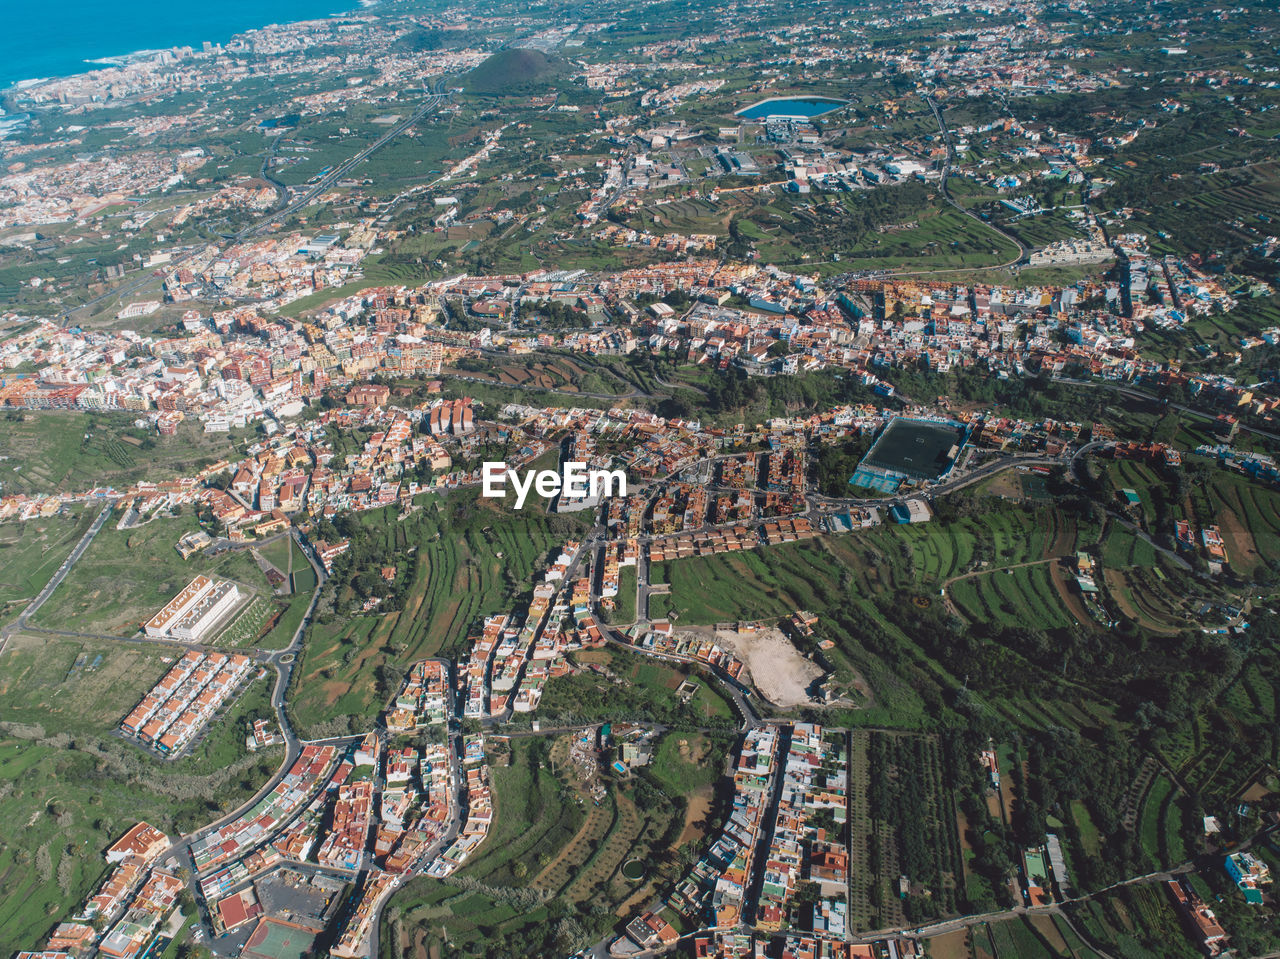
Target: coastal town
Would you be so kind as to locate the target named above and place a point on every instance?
(918, 598)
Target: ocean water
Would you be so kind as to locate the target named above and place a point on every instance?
(55, 38)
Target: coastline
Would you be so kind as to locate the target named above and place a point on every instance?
(77, 63)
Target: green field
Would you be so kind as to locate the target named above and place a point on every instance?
(549, 839)
(1013, 597)
(649, 693)
(126, 576)
(683, 763)
(291, 613)
(1122, 548)
(52, 451)
(67, 790)
(625, 613)
(31, 552)
(752, 584)
(278, 552)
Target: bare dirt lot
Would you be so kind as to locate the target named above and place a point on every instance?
(777, 668)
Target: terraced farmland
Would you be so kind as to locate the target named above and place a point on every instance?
(1024, 596)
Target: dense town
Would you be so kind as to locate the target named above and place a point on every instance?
(932, 350)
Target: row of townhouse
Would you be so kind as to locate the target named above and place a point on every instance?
(716, 890)
(125, 910)
(422, 699)
(479, 819)
(185, 699)
(659, 637)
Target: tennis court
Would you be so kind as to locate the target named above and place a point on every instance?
(274, 939)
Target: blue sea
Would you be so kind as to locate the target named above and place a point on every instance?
(55, 38)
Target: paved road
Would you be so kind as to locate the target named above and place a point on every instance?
(946, 189)
(283, 662)
(430, 105)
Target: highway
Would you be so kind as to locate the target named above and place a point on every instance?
(430, 105)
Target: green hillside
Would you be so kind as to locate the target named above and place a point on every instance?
(514, 71)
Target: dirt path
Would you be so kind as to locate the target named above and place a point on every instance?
(1115, 586)
(779, 670)
(1065, 539)
(999, 569)
(955, 610)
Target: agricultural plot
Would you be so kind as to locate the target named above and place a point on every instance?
(1123, 548)
(244, 629)
(939, 240)
(536, 812)
(54, 451)
(752, 584)
(1023, 596)
(1042, 229)
(625, 610)
(1247, 513)
(1160, 823)
(1017, 937)
(561, 374)
(1196, 212)
(1142, 479)
(1137, 922)
(924, 556)
(1229, 740)
(465, 559)
(863, 911)
(549, 836)
(686, 762)
(76, 686)
(601, 870)
(647, 692)
(915, 826)
(1145, 597)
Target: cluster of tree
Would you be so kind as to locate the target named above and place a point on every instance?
(360, 567)
(904, 792)
(457, 317)
(835, 464)
(552, 314)
(585, 696)
(735, 393)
